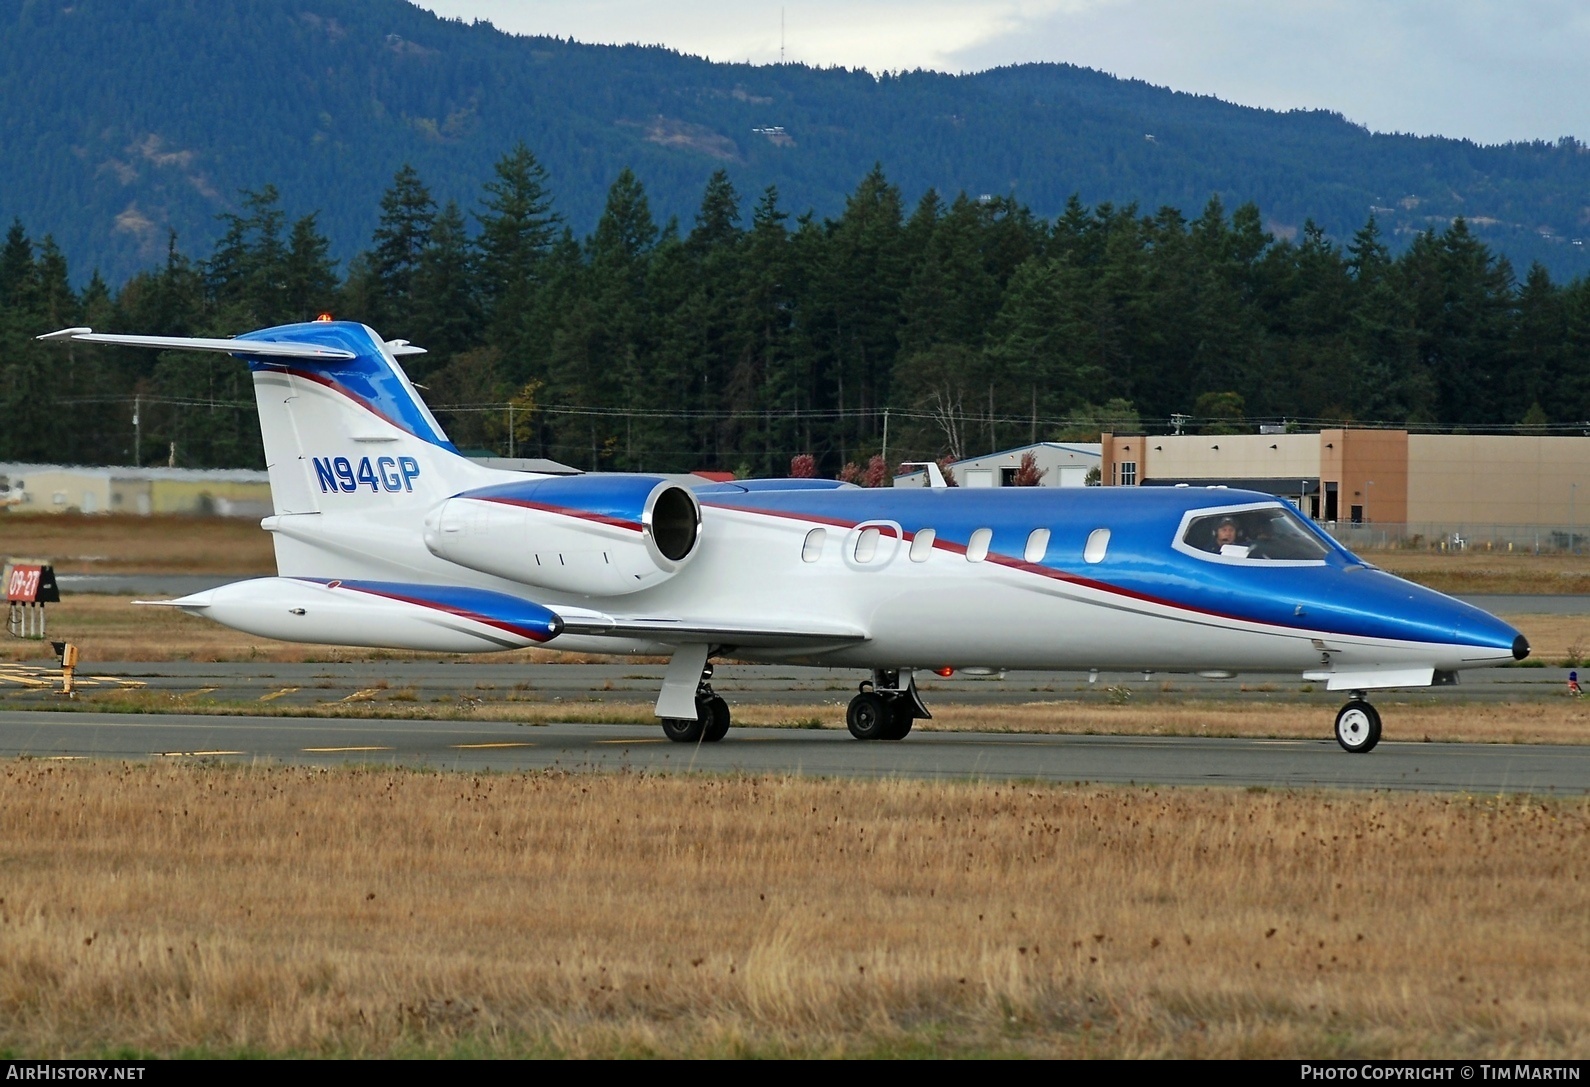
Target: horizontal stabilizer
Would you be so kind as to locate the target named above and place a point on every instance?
(258, 348)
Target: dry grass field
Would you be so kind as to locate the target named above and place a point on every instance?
(1463, 572)
(122, 543)
(189, 909)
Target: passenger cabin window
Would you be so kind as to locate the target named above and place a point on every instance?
(1272, 533)
(977, 546)
(867, 545)
(922, 544)
(812, 549)
(1037, 545)
(1098, 543)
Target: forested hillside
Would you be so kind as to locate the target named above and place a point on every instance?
(749, 335)
(125, 119)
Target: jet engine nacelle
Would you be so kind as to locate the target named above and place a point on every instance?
(592, 535)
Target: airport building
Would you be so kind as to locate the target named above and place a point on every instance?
(58, 488)
(1512, 489)
(1061, 464)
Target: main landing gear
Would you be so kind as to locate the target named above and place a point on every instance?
(1358, 725)
(885, 709)
(711, 722)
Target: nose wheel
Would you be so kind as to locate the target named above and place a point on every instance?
(1358, 726)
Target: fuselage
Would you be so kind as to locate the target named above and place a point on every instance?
(1084, 578)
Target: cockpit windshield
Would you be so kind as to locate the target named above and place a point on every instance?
(1270, 532)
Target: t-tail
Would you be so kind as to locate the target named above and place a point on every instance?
(343, 427)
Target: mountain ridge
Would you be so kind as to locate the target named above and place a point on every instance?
(126, 121)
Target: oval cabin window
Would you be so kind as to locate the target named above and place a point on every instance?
(867, 545)
(1098, 544)
(922, 544)
(812, 549)
(977, 546)
(1037, 545)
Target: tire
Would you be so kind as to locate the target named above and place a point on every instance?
(682, 731)
(1358, 727)
(868, 717)
(901, 717)
(715, 715)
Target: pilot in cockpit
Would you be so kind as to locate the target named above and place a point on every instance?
(1227, 537)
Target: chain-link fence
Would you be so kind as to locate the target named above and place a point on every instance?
(1450, 536)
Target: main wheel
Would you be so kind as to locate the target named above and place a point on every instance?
(868, 717)
(1358, 727)
(901, 716)
(715, 712)
(683, 731)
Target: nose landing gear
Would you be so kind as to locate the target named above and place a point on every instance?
(884, 709)
(1358, 725)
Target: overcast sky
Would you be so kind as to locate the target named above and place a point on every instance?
(1486, 70)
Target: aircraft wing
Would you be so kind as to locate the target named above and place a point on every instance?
(664, 629)
(264, 348)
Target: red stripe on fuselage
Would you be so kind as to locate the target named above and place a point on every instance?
(1018, 564)
(566, 511)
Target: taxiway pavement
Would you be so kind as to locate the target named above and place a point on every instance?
(1485, 769)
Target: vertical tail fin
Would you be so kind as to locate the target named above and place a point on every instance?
(344, 428)
(349, 433)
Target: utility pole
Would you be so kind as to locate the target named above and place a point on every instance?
(138, 432)
(886, 438)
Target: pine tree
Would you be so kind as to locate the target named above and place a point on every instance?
(446, 309)
(518, 230)
(309, 275)
(398, 245)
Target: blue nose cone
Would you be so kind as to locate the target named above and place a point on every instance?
(1390, 607)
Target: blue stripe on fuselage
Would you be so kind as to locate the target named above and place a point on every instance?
(1338, 596)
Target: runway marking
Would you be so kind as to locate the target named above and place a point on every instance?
(470, 747)
(277, 694)
(334, 750)
(362, 696)
(64, 758)
(194, 754)
(201, 690)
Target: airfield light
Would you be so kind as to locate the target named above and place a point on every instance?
(945, 672)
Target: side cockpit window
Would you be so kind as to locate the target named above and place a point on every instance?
(1270, 533)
